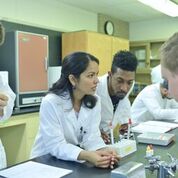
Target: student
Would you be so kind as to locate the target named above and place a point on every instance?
(154, 103)
(70, 115)
(156, 74)
(7, 98)
(114, 89)
(169, 64)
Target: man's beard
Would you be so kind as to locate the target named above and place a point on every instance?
(121, 95)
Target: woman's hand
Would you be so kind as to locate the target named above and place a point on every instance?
(103, 158)
(114, 156)
(98, 158)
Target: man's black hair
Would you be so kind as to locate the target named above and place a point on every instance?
(124, 60)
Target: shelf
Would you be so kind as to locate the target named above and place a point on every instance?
(155, 59)
(149, 50)
(142, 70)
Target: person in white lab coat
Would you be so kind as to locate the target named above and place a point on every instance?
(70, 115)
(169, 64)
(7, 98)
(156, 74)
(114, 89)
(154, 103)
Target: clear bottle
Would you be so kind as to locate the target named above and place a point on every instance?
(149, 151)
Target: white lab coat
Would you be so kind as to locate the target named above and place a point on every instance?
(149, 105)
(61, 131)
(4, 88)
(156, 74)
(122, 113)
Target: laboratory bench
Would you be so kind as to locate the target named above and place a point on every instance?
(89, 171)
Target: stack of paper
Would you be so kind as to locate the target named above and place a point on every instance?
(154, 126)
(32, 169)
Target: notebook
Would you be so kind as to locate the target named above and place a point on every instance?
(156, 138)
(154, 126)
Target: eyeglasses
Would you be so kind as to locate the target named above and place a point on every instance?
(165, 84)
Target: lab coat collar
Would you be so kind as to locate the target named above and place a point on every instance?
(104, 90)
(70, 112)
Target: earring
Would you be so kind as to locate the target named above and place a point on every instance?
(73, 87)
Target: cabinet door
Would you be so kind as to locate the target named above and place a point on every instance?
(74, 41)
(142, 52)
(154, 52)
(96, 44)
(119, 44)
(32, 62)
(100, 46)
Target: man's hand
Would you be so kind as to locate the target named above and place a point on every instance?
(105, 137)
(123, 129)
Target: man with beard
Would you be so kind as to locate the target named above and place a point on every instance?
(154, 103)
(114, 89)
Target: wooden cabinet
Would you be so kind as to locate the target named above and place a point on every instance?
(119, 44)
(17, 135)
(100, 45)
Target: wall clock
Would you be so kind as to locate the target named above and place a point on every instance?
(109, 28)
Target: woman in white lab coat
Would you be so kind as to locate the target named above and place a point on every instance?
(7, 98)
(70, 115)
(154, 103)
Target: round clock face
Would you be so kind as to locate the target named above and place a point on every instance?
(109, 28)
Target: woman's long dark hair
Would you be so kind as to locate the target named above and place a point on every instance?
(75, 64)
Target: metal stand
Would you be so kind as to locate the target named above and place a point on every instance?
(164, 170)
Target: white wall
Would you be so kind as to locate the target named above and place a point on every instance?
(47, 14)
(54, 15)
(153, 29)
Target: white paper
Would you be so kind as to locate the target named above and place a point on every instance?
(162, 124)
(32, 169)
(154, 126)
(4, 77)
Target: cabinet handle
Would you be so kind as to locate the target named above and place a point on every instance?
(46, 63)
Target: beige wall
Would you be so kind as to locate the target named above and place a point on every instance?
(58, 16)
(121, 28)
(47, 14)
(153, 29)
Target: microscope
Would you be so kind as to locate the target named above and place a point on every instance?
(164, 169)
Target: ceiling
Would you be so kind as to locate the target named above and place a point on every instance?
(126, 10)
